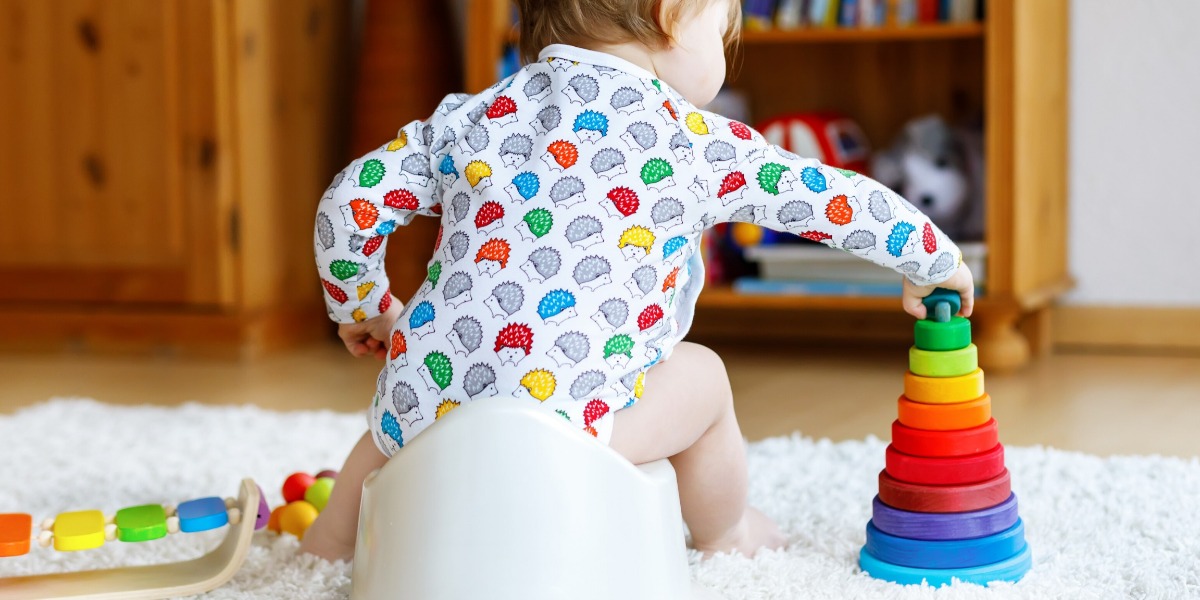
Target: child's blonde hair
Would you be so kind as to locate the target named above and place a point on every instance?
(545, 22)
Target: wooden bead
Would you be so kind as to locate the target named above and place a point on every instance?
(141, 523)
(946, 363)
(947, 554)
(944, 526)
(934, 336)
(945, 417)
(79, 530)
(916, 497)
(943, 390)
(202, 514)
(1010, 569)
(921, 442)
(945, 470)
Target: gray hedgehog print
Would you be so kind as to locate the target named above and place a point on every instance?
(720, 154)
(567, 191)
(458, 289)
(446, 139)
(795, 214)
(943, 263)
(537, 87)
(406, 403)
(547, 119)
(459, 205)
(476, 140)
(586, 383)
(699, 188)
(592, 272)
(749, 214)
(681, 147)
(911, 266)
(640, 136)
(480, 378)
(516, 149)
(612, 314)
(608, 163)
(477, 113)
(859, 240)
(879, 207)
(584, 232)
(466, 335)
(783, 153)
(667, 212)
(907, 204)
(427, 135)
(642, 281)
(626, 100)
(459, 244)
(452, 103)
(324, 231)
(337, 180)
(569, 349)
(415, 169)
(505, 299)
(582, 89)
(629, 380)
(543, 263)
(606, 71)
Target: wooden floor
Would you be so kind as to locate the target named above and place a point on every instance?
(1100, 404)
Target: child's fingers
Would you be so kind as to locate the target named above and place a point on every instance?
(381, 353)
(913, 305)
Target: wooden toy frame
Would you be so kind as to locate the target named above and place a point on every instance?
(149, 582)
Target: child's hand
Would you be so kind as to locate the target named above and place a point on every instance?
(373, 336)
(961, 282)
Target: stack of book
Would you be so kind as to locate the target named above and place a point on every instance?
(795, 14)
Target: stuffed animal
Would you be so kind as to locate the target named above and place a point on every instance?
(940, 171)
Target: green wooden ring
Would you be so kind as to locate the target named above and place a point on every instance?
(939, 337)
(946, 363)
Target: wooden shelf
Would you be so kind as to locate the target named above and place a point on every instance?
(723, 296)
(864, 34)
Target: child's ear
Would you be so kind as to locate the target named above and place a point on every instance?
(666, 13)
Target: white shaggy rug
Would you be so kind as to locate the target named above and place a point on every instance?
(1122, 527)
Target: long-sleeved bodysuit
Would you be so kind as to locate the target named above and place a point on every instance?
(572, 197)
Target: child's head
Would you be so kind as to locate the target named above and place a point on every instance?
(685, 40)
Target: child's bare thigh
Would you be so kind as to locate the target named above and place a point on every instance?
(682, 398)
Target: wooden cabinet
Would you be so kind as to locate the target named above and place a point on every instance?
(1012, 67)
(161, 160)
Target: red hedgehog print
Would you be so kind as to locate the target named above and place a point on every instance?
(502, 111)
(561, 155)
(371, 245)
(669, 282)
(593, 411)
(816, 236)
(397, 354)
(363, 213)
(670, 115)
(386, 301)
(929, 239)
(489, 217)
(739, 130)
(514, 343)
(437, 243)
(335, 292)
(492, 256)
(732, 187)
(651, 316)
(400, 199)
(622, 202)
(840, 210)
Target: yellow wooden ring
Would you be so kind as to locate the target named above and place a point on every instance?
(79, 530)
(948, 363)
(945, 417)
(944, 390)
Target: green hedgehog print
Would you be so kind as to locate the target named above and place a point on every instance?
(435, 273)
(372, 173)
(769, 175)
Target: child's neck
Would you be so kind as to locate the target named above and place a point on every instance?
(635, 53)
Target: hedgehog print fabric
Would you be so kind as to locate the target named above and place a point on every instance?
(572, 196)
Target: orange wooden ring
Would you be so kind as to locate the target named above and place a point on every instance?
(921, 442)
(945, 417)
(943, 390)
(16, 530)
(946, 470)
(943, 498)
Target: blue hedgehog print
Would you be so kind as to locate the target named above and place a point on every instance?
(555, 303)
(897, 240)
(813, 179)
(673, 245)
(386, 228)
(526, 185)
(391, 428)
(446, 167)
(421, 315)
(590, 126)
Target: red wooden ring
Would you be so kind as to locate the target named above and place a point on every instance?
(946, 470)
(943, 498)
(925, 442)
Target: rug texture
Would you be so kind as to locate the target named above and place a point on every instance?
(1120, 527)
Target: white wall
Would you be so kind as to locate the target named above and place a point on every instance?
(1135, 152)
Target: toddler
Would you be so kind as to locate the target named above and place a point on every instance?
(572, 196)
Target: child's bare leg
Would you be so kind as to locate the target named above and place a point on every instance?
(333, 534)
(686, 414)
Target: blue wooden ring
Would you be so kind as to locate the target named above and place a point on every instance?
(944, 526)
(948, 554)
(1010, 569)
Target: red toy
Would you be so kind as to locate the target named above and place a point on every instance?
(831, 138)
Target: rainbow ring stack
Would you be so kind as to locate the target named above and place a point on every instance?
(945, 508)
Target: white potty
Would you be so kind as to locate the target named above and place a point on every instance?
(504, 501)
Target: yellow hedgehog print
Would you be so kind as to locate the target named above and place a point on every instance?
(479, 175)
(398, 143)
(364, 289)
(445, 407)
(696, 124)
(635, 243)
(538, 383)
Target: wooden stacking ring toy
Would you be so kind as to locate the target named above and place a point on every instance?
(946, 470)
(943, 390)
(915, 497)
(16, 531)
(1010, 569)
(944, 526)
(946, 554)
(921, 442)
(945, 417)
(946, 363)
(937, 337)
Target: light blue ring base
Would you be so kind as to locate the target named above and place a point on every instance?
(1009, 569)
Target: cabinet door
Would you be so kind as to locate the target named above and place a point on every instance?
(109, 160)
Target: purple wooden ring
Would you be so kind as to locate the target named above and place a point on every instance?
(264, 511)
(944, 526)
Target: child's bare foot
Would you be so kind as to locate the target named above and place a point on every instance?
(755, 532)
(326, 543)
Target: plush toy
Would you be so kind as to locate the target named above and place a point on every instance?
(940, 171)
